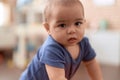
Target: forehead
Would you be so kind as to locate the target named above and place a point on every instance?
(65, 4)
(55, 5)
(69, 12)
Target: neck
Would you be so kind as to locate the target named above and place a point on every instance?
(74, 51)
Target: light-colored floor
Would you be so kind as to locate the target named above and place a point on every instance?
(9, 73)
(109, 73)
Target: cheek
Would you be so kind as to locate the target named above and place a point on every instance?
(81, 33)
(51, 31)
(59, 36)
(82, 30)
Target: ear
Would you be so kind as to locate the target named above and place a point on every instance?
(85, 23)
(46, 26)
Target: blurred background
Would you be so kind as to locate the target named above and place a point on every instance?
(21, 33)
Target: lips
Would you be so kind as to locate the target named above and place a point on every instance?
(72, 40)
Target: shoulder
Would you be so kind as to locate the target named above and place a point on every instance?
(85, 45)
(50, 43)
(52, 53)
(87, 49)
(85, 41)
(51, 48)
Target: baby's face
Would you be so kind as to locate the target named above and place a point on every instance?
(66, 24)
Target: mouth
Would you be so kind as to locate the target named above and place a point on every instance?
(72, 40)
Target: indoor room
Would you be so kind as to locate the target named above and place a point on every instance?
(22, 33)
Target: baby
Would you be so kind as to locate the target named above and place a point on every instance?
(66, 47)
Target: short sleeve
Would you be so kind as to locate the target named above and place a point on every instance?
(89, 52)
(53, 56)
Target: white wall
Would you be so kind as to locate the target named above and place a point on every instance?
(107, 46)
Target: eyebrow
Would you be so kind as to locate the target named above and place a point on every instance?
(79, 19)
(60, 21)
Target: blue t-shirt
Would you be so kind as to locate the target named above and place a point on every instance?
(54, 54)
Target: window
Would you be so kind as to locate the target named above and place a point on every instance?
(4, 14)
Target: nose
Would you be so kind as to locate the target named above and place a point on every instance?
(71, 29)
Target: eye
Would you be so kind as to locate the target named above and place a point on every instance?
(78, 24)
(62, 25)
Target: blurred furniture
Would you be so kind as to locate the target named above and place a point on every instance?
(7, 44)
(20, 43)
(30, 38)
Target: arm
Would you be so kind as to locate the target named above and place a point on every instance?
(55, 73)
(93, 69)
